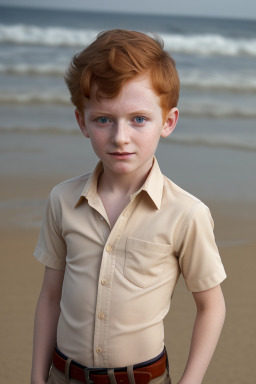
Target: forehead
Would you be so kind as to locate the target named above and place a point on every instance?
(135, 93)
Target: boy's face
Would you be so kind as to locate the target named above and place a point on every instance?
(125, 131)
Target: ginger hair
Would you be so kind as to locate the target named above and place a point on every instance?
(117, 56)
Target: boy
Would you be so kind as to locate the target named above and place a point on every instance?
(114, 242)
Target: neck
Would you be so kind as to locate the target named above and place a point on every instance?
(123, 184)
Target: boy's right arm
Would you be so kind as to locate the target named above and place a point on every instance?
(45, 327)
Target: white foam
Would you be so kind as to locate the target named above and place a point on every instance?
(190, 44)
(28, 69)
(209, 45)
(198, 107)
(49, 36)
(215, 109)
(190, 79)
(34, 98)
(222, 80)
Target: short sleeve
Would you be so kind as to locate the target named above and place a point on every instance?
(51, 247)
(199, 257)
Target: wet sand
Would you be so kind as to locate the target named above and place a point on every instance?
(26, 179)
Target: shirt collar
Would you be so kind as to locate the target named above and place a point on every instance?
(153, 185)
(90, 189)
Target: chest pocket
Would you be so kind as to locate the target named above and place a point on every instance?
(144, 261)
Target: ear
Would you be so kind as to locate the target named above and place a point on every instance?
(170, 122)
(81, 122)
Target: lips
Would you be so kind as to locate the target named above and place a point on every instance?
(121, 155)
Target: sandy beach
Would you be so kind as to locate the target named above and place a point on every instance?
(32, 165)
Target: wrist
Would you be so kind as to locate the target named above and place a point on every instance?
(37, 380)
(188, 381)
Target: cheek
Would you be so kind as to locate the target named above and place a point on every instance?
(98, 142)
(151, 139)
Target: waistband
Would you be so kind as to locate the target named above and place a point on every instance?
(140, 373)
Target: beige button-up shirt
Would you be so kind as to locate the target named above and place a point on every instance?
(119, 281)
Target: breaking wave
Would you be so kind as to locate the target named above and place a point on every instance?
(211, 44)
(192, 79)
(195, 108)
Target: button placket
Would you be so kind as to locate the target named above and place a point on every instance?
(108, 248)
(101, 315)
(102, 306)
(104, 290)
(125, 213)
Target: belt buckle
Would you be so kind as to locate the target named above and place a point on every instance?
(87, 372)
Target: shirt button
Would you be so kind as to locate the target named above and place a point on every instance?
(99, 350)
(101, 315)
(101, 218)
(108, 248)
(104, 281)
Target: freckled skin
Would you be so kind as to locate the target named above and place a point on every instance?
(125, 131)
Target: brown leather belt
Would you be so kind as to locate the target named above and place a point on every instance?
(142, 374)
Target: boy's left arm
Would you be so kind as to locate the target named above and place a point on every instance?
(207, 328)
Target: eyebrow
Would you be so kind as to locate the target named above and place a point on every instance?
(134, 113)
(141, 112)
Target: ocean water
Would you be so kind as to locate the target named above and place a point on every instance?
(216, 61)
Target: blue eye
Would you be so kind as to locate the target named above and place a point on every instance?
(103, 120)
(139, 119)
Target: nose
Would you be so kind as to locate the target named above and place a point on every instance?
(120, 134)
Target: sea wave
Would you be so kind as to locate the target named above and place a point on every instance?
(222, 80)
(190, 79)
(188, 108)
(211, 44)
(215, 142)
(34, 70)
(49, 36)
(34, 98)
(216, 109)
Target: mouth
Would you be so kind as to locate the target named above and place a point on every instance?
(121, 155)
